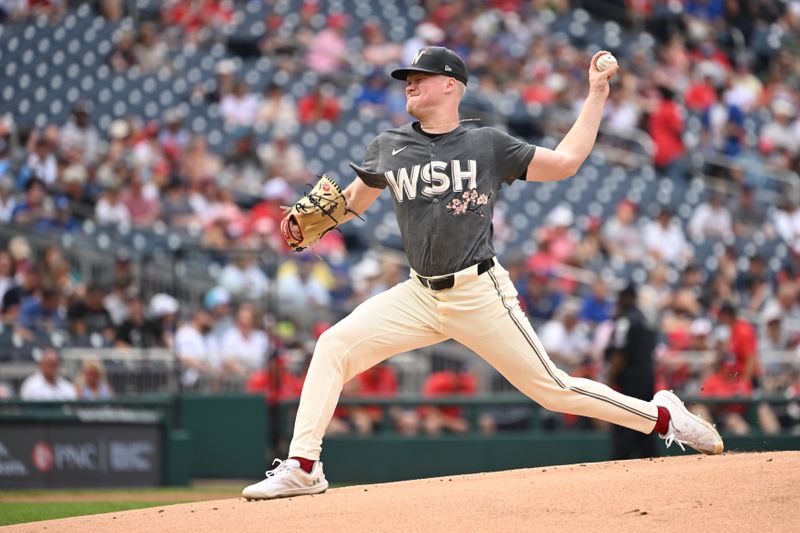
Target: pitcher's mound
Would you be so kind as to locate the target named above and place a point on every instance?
(731, 492)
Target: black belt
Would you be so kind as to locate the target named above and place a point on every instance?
(447, 282)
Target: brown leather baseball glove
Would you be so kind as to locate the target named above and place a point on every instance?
(315, 214)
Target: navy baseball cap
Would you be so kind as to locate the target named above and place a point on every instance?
(435, 60)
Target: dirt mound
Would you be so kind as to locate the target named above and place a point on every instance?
(732, 492)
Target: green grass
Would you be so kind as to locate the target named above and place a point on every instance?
(15, 513)
(45, 494)
(45, 504)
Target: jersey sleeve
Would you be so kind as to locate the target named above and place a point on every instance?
(368, 172)
(512, 156)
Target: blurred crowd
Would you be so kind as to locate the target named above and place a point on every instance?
(726, 66)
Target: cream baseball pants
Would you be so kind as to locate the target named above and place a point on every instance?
(482, 313)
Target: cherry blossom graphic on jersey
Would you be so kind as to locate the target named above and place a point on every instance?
(470, 202)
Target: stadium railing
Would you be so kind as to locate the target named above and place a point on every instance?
(132, 371)
(474, 406)
(779, 180)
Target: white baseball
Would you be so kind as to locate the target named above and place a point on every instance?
(605, 61)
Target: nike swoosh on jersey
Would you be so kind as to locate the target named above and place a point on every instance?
(395, 152)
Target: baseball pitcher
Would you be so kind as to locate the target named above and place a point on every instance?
(444, 180)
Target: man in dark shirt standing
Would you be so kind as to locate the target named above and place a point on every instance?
(630, 361)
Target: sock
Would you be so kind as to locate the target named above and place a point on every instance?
(307, 464)
(662, 424)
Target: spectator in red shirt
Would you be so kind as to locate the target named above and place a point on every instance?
(539, 91)
(666, 127)
(727, 382)
(722, 384)
(195, 15)
(450, 419)
(275, 381)
(556, 246)
(700, 94)
(673, 370)
(380, 382)
(742, 346)
(731, 417)
(318, 105)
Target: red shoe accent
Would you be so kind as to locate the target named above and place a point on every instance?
(662, 424)
(307, 464)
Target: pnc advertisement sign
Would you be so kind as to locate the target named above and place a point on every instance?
(62, 455)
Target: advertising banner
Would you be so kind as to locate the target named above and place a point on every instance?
(79, 455)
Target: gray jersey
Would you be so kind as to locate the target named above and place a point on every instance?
(444, 190)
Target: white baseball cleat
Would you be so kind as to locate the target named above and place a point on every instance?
(288, 479)
(687, 428)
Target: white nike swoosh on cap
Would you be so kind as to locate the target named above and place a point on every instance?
(395, 152)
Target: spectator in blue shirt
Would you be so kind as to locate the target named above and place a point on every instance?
(31, 208)
(708, 10)
(374, 96)
(539, 296)
(57, 216)
(5, 159)
(723, 127)
(42, 313)
(597, 307)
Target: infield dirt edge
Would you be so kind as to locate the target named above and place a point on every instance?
(731, 492)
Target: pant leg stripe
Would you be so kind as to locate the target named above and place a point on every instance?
(614, 402)
(547, 367)
(522, 330)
